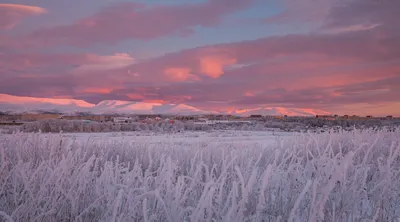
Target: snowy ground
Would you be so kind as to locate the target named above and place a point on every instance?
(200, 176)
(246, 138)
(228, 136)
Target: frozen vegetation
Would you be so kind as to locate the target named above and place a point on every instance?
(290, 124)
(200, 176)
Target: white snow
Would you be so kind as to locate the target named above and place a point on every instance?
(274, 111)
(200, 176)
(220, 136)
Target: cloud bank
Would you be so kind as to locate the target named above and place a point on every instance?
(348, 62)
(12, 14)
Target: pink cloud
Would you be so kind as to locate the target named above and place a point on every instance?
(380, 18)
(307, 75)
(83, 62)
(286, 71)
(335, 16)
(179, 74)
(249, 94)
(353, 28)
(65, 73)
(98, 90)
(97, 63)
(214, 66)
(135, 96)
(12, 14)
(302, 11)
(138, 21)
(318, 70)
(294, 60)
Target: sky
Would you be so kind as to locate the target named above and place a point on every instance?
(340, 56)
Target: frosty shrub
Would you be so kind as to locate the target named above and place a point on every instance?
(8, 129)
(290, 125)
(57, 125)
(345, 176)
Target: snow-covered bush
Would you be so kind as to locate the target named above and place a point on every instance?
(345, 176)
(8, 129)
(297, 124)
(57, 125)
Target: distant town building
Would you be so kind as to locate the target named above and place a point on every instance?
(328, 117)
(325, 117)
(256, 116)
(123, 119)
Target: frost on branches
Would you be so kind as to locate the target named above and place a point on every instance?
(345, 176)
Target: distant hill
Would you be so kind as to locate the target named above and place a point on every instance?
(279, 111)
(9, 103)
(19, 104)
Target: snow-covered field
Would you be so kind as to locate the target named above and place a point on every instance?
(200, 176)
(228, 136)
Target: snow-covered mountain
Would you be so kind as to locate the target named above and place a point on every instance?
(32, 104)
(117, 106)
(279, 111)
(29, 104)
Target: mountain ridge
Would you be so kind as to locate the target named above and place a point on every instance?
(12, 103)
(274, 111)
(20, 104)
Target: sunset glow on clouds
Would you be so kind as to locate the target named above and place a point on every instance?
(12, 14)
(338, 57)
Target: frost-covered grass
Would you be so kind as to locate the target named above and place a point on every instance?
(4, 129)
(346, 176)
